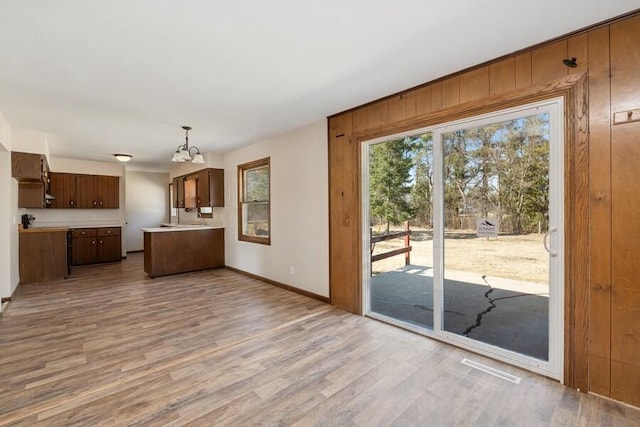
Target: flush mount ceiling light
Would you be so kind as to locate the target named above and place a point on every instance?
(123, 158)
(183, 152)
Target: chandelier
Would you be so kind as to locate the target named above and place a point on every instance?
(183, 152)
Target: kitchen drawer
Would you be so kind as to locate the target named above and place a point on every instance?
(83, 232)
(109, 231)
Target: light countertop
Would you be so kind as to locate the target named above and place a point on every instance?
(96, 226)
(44, 229)
(181, 227)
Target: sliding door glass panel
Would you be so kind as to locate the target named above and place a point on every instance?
(495, 217)
(400, 229)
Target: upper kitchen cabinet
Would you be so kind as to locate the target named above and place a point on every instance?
(204, 188)
(32, 172)
(85, 191)
(28, 166)
(190, 184)
(178, 192)
(63, 188)
(98, 191)
(32, 195)
(210, 188)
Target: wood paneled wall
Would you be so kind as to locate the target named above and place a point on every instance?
(602, 337)
(624, 287)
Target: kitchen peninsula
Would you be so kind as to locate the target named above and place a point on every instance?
(182, 248)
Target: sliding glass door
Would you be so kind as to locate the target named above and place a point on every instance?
(483, 201)
(400, 190)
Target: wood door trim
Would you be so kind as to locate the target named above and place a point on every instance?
(561, 87)
(574, 90)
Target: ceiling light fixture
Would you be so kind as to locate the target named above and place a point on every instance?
(183, 152)
(123, 158)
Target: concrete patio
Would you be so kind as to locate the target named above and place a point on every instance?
(506, 313)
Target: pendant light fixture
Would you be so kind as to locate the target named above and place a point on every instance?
(183, 152)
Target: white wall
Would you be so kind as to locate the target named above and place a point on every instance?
(299, 211)
(5, 134)
(147, 198)
(89, 167)
(30, 141)
(8, 214)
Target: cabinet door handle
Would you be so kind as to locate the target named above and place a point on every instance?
(108, 231)
(71, 202)
(94, 203)
(100, 202)
(83, 233)
(100, 241)
(93, 242)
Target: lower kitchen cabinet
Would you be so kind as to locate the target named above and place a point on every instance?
(109, 244)
(42, 255)
(96, 245)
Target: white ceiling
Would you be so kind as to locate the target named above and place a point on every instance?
(102, 77)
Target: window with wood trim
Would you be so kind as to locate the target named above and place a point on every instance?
(254, 201)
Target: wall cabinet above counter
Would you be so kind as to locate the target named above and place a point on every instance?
(84, 191)
(29, 167)
(40, 188)
(204, 188)
(32, 173)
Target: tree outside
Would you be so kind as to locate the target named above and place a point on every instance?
(499, 170)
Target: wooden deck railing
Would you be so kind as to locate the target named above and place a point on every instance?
(406, 249)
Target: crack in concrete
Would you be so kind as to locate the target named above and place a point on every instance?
(479, 315)
(492, 305)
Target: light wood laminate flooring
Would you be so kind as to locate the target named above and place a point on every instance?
(110, 346)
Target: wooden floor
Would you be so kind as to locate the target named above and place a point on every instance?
(110, 346)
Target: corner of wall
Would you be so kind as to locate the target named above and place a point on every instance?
(5, 134)
(9, 212)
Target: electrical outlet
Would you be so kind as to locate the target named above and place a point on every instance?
(292, 269)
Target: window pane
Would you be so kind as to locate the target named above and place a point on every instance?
(253, 202)
(256, 183)
(256, 219)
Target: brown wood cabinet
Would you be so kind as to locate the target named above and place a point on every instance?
(32, 195)
(96, 245)
(63, 188)
(83, 246)
(42, 255)
(172, 252)
(109, 244)
(28, 166)
(190, 191)
(32, 172)
(210, 188)
(97, 191)
(204, 188)
(178, 192)
(85, 191)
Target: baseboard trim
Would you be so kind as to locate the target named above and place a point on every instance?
(280, 285)
(4, 302)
